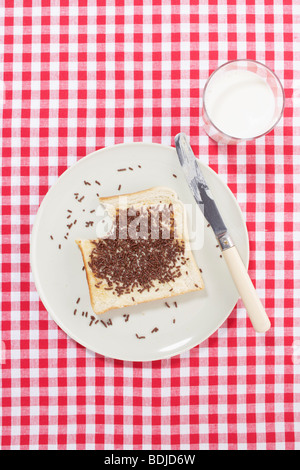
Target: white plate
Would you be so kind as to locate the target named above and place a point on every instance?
(60, 280)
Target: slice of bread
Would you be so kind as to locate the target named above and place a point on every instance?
(146, 257)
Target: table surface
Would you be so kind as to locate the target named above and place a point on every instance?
(79, 78)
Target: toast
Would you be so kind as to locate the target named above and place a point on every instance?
(147, 254)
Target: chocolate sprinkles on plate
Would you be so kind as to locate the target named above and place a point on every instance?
(140, 337)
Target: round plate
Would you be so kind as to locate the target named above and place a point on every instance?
(151, 330)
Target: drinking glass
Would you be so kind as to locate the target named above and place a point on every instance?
(262, 71)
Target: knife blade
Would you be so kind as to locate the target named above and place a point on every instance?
(204, 198)
(200, 190)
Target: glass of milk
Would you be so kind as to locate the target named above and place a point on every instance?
(242, 100)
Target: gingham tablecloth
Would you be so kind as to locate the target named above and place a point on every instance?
(82, 75)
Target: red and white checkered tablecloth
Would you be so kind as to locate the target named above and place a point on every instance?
(81, 75)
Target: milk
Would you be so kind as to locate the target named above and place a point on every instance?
(240, 103)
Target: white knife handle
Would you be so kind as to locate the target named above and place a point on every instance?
(253, 305)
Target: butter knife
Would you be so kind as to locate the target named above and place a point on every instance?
(205, 200)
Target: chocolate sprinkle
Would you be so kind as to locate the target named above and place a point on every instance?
(154, 330)
(150, 259)
(122, 169)
(167, 305)
(140, 337)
